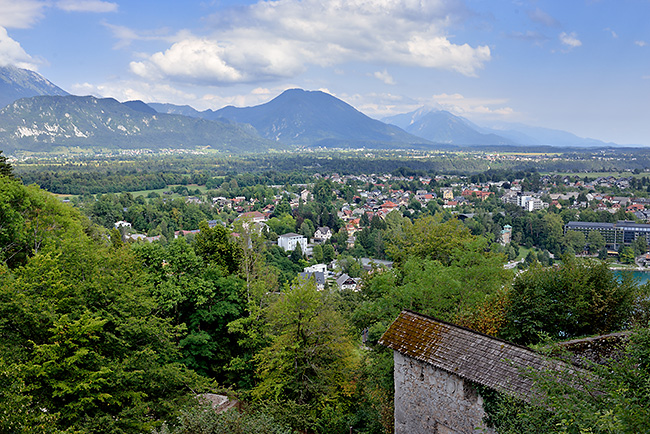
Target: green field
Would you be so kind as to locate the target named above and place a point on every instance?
(190, 187)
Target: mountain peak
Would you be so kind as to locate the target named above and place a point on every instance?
(16, 83)
(316, 118)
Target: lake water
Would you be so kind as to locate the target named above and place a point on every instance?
(641, 276)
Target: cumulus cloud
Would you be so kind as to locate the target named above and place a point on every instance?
(641, 43)
(97, 6)
(128, 90)
(11, 53)
(611, 32)
(570, 39)
(134, 90)
(384, 76)
(280, 39)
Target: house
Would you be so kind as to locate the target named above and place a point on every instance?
(318, 276)
(183, 233)
(122, 224)
(252, 216)
(347, 282)
(437, 365)
(447, 193)
(322, 234)
(322, 268)
(289, 242)
(368, 264)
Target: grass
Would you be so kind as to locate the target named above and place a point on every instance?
(191, 187)
(523, 252)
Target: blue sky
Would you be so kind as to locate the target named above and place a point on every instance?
(578, 65)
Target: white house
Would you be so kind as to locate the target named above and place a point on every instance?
(316, 268)
(322, 234)
(289, 242)
(347, 282)
(122, 224)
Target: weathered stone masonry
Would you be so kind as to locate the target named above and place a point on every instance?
(436, 364)
(432, 401)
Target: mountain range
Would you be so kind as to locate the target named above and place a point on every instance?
(41, 117)
(16, 83)
(49, 123)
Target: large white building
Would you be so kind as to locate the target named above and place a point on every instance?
(289, 242)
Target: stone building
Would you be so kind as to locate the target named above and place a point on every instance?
(437, 366)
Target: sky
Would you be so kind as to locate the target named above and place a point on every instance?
(581, 66)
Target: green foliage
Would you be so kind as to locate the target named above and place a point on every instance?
(575, 240)
(30, 220)
(214, 246)
(204, 420)
(283, 224)
(311, 357)
(578, 298)
(78, 324)
(612, 398)
(640, 246)
(626, 255)
(430, 238)
(5, 168)
(202, 298)
(595, 241)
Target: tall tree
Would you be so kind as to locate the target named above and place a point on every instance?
(5, 168)
(579, 298)
(311, 356)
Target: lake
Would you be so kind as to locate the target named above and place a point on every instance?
(641, 276)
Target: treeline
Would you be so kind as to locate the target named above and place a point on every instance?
(119, 174)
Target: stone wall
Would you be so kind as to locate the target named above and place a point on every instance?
(429, 400)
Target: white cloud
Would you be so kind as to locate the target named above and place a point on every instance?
(148, 92)
(134, 90)
(541, 17)
(462, 106)
(280, 39)
(11, 53)
(384, 76)
(613, 33)
(381, 105)
(86, 6)
(641, 43)
(570, 39)
(20, 14)
(125, 35)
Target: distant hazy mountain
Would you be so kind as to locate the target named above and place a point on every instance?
(184, 110)
(44, 123)
(140, 106)
(16, 83)
(528, 135)
(443, 127)
(314, 118)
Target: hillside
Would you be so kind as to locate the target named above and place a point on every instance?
(443, 127)
(16, 83)
(314, 118)
(46, 123)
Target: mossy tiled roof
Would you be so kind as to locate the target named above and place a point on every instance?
(480, 358)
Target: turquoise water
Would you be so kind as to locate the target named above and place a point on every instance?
(641, 276)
